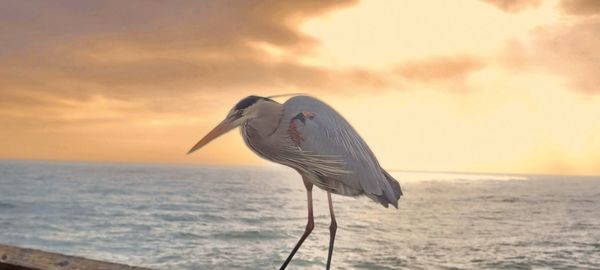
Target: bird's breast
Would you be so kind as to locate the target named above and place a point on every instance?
(255, 141)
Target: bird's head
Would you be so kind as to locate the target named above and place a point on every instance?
(245, 109)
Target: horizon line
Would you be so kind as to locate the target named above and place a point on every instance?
(158, 163)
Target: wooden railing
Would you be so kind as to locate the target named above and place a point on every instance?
(16, 258)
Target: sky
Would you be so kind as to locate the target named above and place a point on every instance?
(507, 86)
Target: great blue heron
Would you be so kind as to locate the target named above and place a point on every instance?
(312, 138)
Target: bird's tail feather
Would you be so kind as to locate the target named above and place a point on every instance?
(397, 190)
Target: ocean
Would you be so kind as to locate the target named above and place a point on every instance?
(200, 217)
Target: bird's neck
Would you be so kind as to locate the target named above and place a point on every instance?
(265, 118)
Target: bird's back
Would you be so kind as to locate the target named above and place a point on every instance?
(318, 131)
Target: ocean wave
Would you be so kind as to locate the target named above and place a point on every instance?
(5, 205)
(249, 235)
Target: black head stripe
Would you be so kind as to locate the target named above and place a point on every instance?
(246, 102)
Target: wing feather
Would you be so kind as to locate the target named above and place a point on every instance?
(328, 139)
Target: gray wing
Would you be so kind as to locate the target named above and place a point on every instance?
(324, 134)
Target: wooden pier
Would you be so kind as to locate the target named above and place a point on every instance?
(16, 258)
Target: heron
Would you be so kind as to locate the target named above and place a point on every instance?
(309, 136)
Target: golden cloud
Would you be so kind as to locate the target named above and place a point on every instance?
(581, 7)
(514, 5)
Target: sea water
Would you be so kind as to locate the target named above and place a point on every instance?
(199, 217)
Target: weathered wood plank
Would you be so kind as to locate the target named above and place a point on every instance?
(16, 258)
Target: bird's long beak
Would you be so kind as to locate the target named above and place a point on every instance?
(219, 130)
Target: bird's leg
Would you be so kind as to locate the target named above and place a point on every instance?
(309, 225)
(332, 230)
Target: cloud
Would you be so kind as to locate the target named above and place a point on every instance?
(581, 7)
(208, 24)
(151, 49)
(514, 5)
(442, 68)
(566, 50)
(572, 50)
(98, 80)
(572, 7)
(118, 80)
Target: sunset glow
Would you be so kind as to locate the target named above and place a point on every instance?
(473, 86)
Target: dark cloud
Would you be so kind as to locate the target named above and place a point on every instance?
(514, 5)
(156, 76)
(213, 24)
(581, 7)
(144, 50)
(441, 68)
